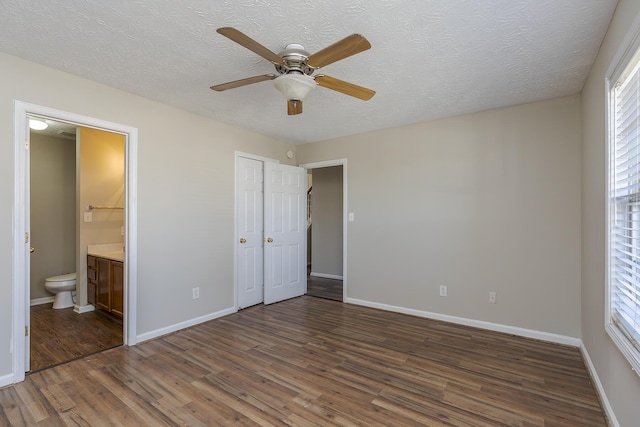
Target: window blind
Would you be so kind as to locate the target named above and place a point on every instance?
(625, 203)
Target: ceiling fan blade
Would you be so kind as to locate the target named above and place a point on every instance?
(243, 82)
(251, 44)
(345, 87)
(294, 107)
(355, 43)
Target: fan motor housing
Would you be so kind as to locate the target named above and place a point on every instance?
(295, 58)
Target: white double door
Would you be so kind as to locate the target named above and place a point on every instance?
(271, 231)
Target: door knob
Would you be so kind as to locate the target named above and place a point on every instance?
(270, 240)
(243, 240)
(32, 250)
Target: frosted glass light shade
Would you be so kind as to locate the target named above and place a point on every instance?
(294, 86)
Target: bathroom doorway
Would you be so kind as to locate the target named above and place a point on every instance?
(21, 333)
(70, 167)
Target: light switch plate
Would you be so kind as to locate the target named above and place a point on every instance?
(88, 216)
(352, 216)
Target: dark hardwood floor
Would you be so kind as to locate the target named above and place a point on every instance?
(324, 288)
(58, 336)
(315, 362)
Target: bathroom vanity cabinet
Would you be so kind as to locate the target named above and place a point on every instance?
(105, 284)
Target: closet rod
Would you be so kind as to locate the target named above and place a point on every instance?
(91, 207)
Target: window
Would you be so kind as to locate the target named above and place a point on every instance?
(623, 285)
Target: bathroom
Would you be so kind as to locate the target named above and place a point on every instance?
(76, 204)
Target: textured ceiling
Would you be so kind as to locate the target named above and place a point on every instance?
(429, 59)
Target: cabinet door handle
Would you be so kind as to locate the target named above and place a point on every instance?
(32, 250)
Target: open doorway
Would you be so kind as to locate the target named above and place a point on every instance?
(21, 334)
(70, 167)
(325, 232)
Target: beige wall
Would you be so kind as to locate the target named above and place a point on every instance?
(53, 206)
(326, 217)
(185, 194)
(622, 386)
(482, 202)
(101, 171)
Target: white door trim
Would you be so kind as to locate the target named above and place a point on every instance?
(343, 163)
(20, 226)
(236, 237)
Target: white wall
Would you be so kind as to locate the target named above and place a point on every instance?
(326, 217)
(482, 202)
(185, 193)
(622, 386)
(53, 206)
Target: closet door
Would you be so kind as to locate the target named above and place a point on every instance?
(249, 222)
(285, 219)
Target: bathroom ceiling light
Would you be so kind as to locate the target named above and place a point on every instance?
(37, 124)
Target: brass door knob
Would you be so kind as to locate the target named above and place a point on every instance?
(32, 250)
(243, 240)
(270, 240)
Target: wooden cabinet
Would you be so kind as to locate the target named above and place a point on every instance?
(92, 279)
(106, 277)
(117, 288)
(103, 288)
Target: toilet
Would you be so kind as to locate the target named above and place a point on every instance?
(61, 286)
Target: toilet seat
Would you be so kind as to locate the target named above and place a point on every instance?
(62, 278)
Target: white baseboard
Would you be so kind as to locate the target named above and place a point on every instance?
(192, 322)
(39, 301)
(513, 330)
(83, 308)
(325, 276)
(599, 388)
(6, 380)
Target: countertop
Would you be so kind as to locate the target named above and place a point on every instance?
(112, 251)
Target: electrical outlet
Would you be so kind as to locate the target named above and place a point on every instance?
(443, 290)
(88, 217)
(122, 230)
(492, 297)
(196, 293)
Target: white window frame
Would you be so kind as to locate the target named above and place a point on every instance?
(628, 54)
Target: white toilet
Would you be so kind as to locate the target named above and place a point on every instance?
(61, 286)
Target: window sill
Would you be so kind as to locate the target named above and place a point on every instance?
(622, 342)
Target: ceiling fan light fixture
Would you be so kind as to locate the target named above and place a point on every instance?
(294, 86)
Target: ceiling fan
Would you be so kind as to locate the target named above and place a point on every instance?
(296, 67)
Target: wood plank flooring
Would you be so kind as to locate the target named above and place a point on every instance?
(315, 362)
(324, 288)
(58, 336)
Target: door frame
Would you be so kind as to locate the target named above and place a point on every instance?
(345, 214)
(236, 237)
(21, 226)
